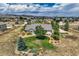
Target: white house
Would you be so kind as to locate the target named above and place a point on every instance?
(61, 23)
(9, 26)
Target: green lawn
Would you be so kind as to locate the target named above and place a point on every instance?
(33, 42)
(30, 39)
(46, 45)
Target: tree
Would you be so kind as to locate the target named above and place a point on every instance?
(56, 34)
(40, 31)
(39, 20)
(66, 26)
(28, 21)
(52, 23)
(21, 18)
(21, 44)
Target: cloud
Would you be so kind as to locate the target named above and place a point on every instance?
(47, 9)
(17, 7)
(3, 7)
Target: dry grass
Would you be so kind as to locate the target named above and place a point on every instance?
(69, 46)
(7, 42)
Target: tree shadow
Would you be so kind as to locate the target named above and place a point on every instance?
(41, 37)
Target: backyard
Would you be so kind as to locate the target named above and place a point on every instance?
(35, 43)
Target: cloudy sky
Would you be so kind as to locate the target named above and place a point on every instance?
(40, 9)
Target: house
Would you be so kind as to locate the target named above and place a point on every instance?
(61, 23)
(32, 28)
(9, 25)
(3, 27)
(25, 22)
(61, 31)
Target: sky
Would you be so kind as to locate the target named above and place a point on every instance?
(40, 9)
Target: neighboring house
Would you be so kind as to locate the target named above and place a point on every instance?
(61, 23)
(61, 31)
(25, 22)
(3, 27)
(9, 26)
(32, 28)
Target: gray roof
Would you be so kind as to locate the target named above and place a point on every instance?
(1, 23)
(33, 26)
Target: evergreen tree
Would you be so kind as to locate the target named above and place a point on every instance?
(66, 26)
(21, 18)
(56, 34)
(28, 21)
(52, 23)
(21, 44)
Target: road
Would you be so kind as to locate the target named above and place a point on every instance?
(8, 41)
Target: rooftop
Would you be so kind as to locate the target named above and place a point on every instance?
(33, 26)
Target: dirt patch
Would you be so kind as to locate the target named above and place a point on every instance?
(7, 48)
(72, 37)
(7, 43)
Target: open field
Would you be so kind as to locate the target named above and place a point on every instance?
(7, 42)
(69, 45)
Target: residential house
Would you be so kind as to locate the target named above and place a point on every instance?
(3, 27)
(9, 25)
(31, 28)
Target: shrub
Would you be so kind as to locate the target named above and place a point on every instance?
(66, 26)
(28, 33)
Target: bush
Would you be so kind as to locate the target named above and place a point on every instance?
(56, 37)
(28, 33)
(66, 26)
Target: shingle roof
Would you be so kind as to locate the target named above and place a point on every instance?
(33, 26)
